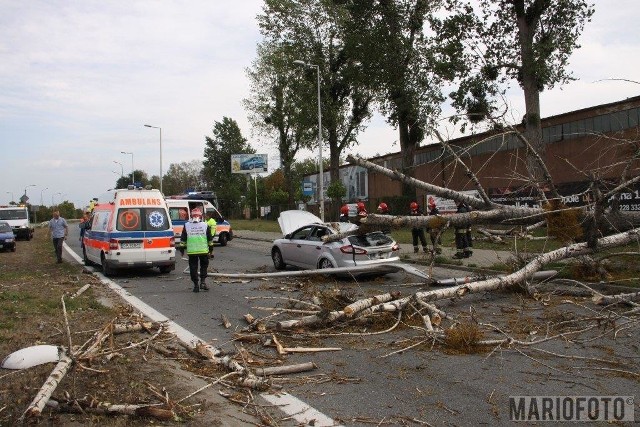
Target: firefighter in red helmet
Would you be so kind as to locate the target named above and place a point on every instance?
(344, 213)
(417, 232)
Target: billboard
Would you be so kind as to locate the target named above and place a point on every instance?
(249, 163)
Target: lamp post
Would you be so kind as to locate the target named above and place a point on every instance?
(121, 168)
(321, 183)
(25, 190)
(160, 129)
(132, 177)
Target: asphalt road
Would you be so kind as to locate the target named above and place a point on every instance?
(362, 384)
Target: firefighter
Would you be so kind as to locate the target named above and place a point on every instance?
(434, 233)
(213, 224)
(417, 232)
(195, 238)
(362, 212)
(383, 209)
(344, 213)
(463, 245)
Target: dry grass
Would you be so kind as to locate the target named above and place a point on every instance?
(463, 337)
(31, 287)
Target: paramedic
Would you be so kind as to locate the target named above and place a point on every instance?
(196, 236)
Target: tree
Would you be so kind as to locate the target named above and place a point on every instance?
(529, 41)
(389, 40)
(276, 108)
(141, 177)
(227, 139)
(182, 176)
(315, 31)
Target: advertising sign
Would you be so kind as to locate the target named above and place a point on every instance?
(249, 163)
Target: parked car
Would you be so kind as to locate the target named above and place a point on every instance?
(302, 245)
(256, 162)
(7, 238)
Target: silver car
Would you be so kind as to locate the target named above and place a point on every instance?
(302, 244)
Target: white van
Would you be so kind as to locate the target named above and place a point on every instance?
(180, 213)
(130, 229)
(18, 219)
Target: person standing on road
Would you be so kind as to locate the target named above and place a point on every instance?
(195, 238)
(463, 246)
(211, 222)
(84, 224)
(434, 233)
(58, 231)
(417, 233)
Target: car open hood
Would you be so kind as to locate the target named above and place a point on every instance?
(292, 220)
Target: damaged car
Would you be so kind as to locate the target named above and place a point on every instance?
(303, 246)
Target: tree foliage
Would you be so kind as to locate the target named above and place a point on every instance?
(226, 140)
(277, 111)
(315, 31)
(499, 41)
(183, 176)
(390, 40)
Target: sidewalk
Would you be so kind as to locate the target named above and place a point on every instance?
(481, 258)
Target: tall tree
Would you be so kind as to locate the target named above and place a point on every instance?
(276, 109)
(315, 31)
(389, 39)
(183, 176)
(529, 41)
(227, 139)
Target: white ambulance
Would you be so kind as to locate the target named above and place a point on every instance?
(130, 229)
(180, 213)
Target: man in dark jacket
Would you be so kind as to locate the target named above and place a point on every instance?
(417, 233)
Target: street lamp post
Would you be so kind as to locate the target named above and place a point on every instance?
(320, 165)
(132, 177)
(121, 168)
(160, 129)
(25, 190)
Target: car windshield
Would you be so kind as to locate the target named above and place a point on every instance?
(142, 219)
(13, 214)
(372, 239)
(5, 228)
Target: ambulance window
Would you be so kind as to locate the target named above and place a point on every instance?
(177, 213)
(142, 219)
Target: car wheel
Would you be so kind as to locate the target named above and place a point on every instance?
(278, 262)
(106, 270)
(325, 263)
(222, 239)
(165, 269)
(13, 249)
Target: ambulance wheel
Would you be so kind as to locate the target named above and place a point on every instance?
(222, 239)
(165, 269)
(106, 270)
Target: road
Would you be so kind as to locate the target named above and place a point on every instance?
(362, 384)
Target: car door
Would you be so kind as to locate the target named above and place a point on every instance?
(294, 246)
(311, 248)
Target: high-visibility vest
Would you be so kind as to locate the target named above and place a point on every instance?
(197, 238)
(212, 225)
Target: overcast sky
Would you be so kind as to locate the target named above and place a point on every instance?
(79, 79)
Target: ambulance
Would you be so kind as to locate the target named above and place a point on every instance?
(130, 228)
(180, 212)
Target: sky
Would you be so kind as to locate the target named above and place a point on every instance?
(80, 79)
